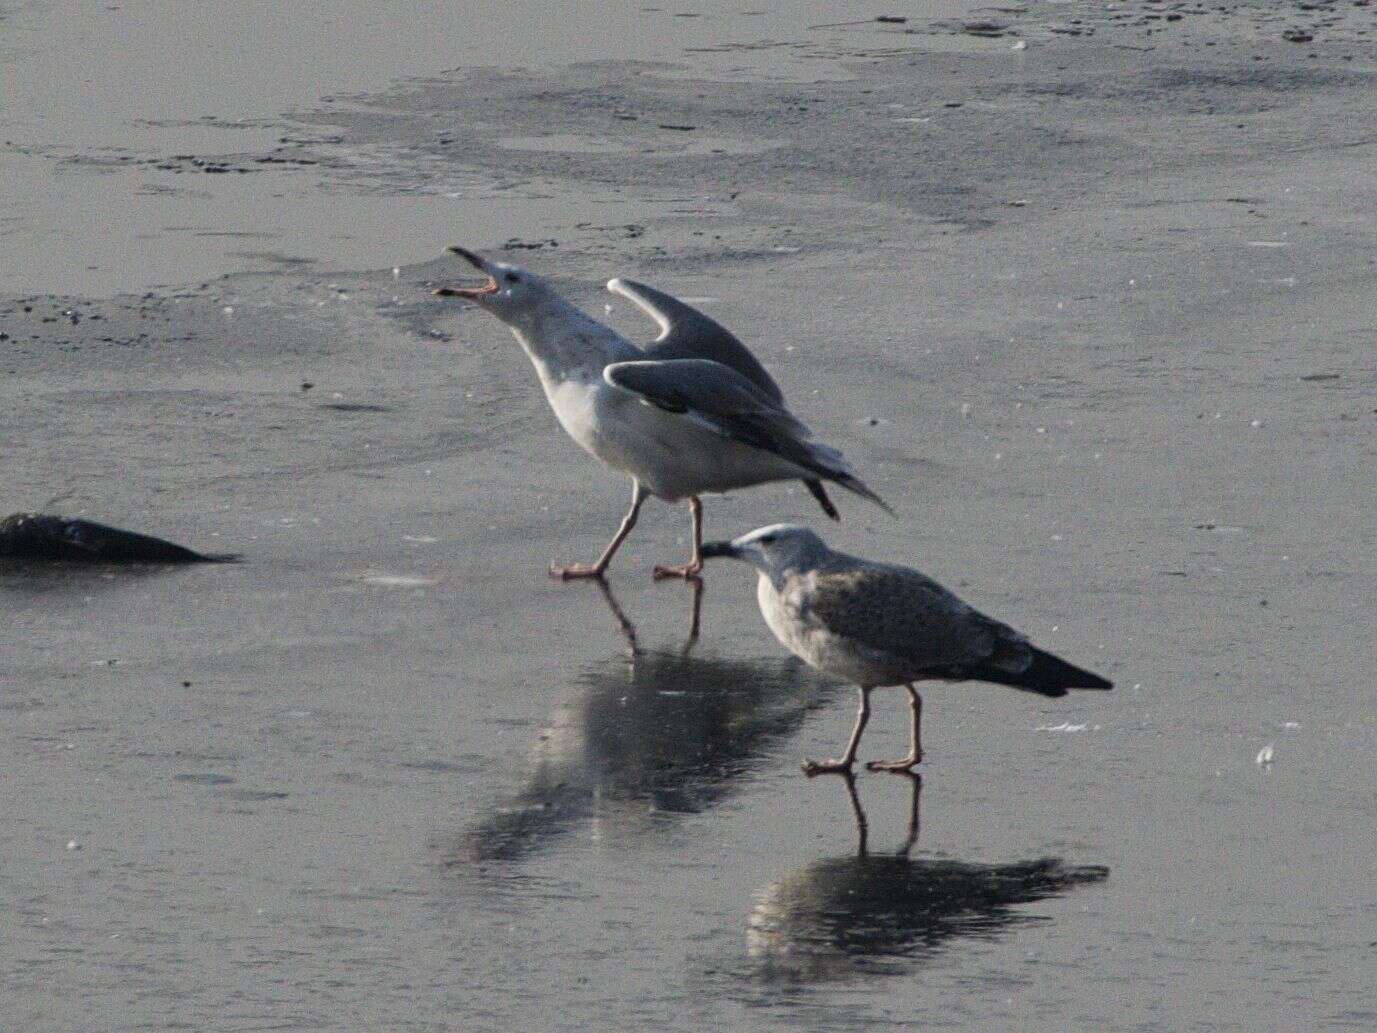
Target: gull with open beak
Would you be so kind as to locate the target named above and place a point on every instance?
(876, 624)
(693, 413)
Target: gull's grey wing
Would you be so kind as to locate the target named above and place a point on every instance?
(736, 408)
(686, 333)
(721, 397)
(899, 612)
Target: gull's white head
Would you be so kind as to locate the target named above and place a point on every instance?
(773, 550)
(510, 289)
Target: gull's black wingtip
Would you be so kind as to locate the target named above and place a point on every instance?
(818, 492)
(1052, 676)
(854, 484)
(1047, 675)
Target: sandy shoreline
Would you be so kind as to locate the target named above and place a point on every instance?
(1093, 314)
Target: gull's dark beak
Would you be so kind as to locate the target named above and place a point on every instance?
(711, 549)
(472, 293)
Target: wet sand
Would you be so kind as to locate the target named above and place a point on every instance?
(1094, 314)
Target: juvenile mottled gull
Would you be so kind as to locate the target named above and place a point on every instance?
(874, 624)
(693, 413)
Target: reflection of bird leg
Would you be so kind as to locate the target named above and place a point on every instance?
(695, 564)
(696, 619)
(628, 629)
(862, 825)
(915, 750)
(596, 570)
(819, 767)
(917, 781)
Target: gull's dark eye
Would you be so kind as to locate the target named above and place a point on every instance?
(767, 539)
(513, 278)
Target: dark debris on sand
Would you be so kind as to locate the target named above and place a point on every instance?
(56, 539)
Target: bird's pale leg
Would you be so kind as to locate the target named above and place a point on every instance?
(915, 750)
(820, 767)
(694, 566)
(577, 570)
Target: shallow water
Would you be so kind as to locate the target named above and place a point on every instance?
(385, 774)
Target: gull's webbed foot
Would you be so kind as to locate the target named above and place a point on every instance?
(904, 766)
(687, 571)
(575, 571)
(827, 767)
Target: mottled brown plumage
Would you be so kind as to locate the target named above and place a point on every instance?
(876, 624)
(902, 614)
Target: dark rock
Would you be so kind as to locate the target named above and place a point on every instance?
(41, 536)
(988, 29)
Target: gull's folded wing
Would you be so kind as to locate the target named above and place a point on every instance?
(686, 333)
(733, 406)
(900, 612)
(715, 394)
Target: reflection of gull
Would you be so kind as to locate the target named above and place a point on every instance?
(863, 826)
(843, 916)
(694, 413)
(647, 739)
(876, 624)
(628, 629)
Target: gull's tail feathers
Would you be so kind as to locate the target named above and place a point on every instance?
(1047, 675)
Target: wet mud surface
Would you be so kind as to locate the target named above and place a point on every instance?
(1085, 294)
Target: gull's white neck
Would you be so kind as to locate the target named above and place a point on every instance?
(566, 344)
(775, 576)
(779, 572)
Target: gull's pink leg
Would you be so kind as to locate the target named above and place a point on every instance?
(915, 750)
(820, 767)
(694, 566)
(578, 570)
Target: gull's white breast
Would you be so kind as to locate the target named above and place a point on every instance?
(674, 455)
(787, 614)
